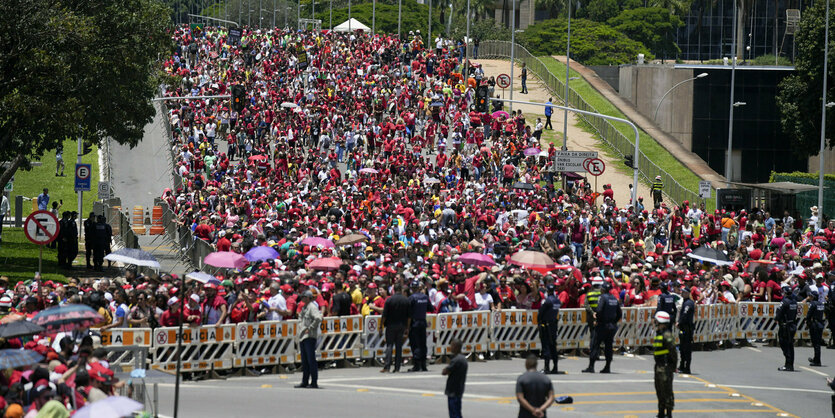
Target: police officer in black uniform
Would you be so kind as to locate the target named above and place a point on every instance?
(71, 239)
(89, 231)
(62, 237)
(419, 305)
(685, 330)
(606, 320)
(816, 324)
(786, 317)
(548, 320)
(102, 234)
(591, 303)
(667, 303)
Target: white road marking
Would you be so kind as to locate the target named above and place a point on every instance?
(814, 371)
(754, 349)
(776, 388)
(404, 390)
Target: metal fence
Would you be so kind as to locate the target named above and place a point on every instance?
(624, 146)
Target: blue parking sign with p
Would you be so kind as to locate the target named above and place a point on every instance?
(83, 172)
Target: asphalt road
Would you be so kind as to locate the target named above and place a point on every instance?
(741, 382)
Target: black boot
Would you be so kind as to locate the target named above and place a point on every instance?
(607, 369)
(589, 369)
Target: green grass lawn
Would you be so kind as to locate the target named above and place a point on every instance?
(31, 183)
(652, 149)
(19, 258)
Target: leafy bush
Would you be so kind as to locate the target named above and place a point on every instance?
(653, 26)
(769, 60)
(592, 43)
(485, 29)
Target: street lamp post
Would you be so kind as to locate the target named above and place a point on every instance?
(824, 105)
(399, 13)
(655, 115)
(429, 31)
(512, 47)
(373, 17)
(732, 104)
(567, 76)
(467, 47)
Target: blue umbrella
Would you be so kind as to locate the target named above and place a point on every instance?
(111, 407)
(261, 253)
(133, 256)
(13, 357)
(66, 318)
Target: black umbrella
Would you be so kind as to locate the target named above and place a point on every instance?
(710, 255)
(67, 317)
(523, 186)
(19, 329)
(13, 357)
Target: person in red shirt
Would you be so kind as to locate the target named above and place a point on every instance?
(192, 312)
(173, 316)
(223, 244)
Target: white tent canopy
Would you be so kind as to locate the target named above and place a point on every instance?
(351, 25)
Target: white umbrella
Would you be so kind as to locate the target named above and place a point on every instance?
(430, 180)
(133, 256)
(290, 105)
(202, 277)
(111, 407)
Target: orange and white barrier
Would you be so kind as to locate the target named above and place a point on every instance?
(265, 343)
(205, 348)
(472, 328)
(514, 330)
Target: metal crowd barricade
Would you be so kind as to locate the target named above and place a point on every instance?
(573, 330)
(205, 348)
(265, 343)
(702, 328)
(756, 320)
(127, 348)
(373, 343)
(514, 330)
(472, 328)
(725, 319)
(640, 320)
(340, 338)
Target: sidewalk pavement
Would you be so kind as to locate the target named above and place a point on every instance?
(689, 158)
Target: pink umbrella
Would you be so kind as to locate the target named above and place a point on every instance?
(368, 170)
(226, 259)
(317, 241)
(498, 113)
(477, 259)
(325, 264)
(532, 259)
(531, 151)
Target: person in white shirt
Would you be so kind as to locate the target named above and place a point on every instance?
(4, 210)
(483, 300)
(277, 303)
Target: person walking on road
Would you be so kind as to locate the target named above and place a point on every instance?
(548, 112)
(657, 187)
(685, 330)
(396, 321)
(419, 305)
(534, 391)
(664, 350)
(309, 323)
(786, 317)
(548, 316)
(815, 321)
(524, 78)
(606, 319)
(456, 373)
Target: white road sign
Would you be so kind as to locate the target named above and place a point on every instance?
(572, 160)
(704, 189)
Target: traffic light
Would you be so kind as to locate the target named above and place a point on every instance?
(627, 161)
(238, 97)
(481, 99)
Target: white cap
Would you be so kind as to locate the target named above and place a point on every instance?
(662, 317)
(108, 296)
(195, 298)
(173, 300)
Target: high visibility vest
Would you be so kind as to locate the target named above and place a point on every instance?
(592, 298)
(657, 185)
(658, 346)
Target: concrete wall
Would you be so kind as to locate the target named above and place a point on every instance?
(828, 163)
(609, 73)
(644, 86)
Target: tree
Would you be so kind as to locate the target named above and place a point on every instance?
(76, 69)
(592, 43)
(652, 26)
(799, 95)
(602, 10)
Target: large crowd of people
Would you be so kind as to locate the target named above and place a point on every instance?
(351, 134)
